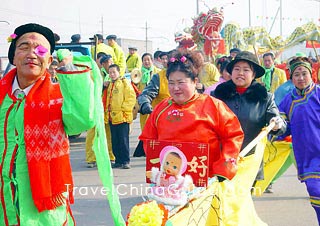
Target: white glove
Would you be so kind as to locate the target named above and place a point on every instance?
(278, 123)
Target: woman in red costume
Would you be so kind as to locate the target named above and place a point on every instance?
(188, 116)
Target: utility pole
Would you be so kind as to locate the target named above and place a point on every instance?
(79, 20)
(146, 36)
(197, 7)
(249, 13)
(102, 25)
(280, 17)
(274, 20)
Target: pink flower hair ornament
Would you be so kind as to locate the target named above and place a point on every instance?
(11, 37)
(172, 59)
(182, 59)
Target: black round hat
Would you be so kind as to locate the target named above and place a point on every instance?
(251, 59)
(114, 37)
(75, 38)
(27, 28)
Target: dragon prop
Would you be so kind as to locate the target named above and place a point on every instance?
(258, 36)
(206, 32)
(184, 38)
(206, 29)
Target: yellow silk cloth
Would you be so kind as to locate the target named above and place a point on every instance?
(277, 156)
(228, 203)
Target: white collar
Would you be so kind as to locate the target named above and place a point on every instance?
(16, 86)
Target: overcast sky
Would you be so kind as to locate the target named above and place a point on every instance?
(128, 18)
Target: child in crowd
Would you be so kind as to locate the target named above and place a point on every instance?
(120, 100)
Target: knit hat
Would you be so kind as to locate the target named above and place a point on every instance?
(27, 28)
(251, 59)
(297, 64)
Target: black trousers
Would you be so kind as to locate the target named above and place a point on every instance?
(120, 142)
(139, 151)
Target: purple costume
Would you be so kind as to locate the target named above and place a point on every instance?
(302, 112)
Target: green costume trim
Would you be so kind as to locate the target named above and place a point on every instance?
(22, 204)
(100, 143)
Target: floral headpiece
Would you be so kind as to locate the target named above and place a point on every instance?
(182, 59)
(11, 37)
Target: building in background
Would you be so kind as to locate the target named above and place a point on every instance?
(142, 45)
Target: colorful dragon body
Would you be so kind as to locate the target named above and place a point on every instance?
(206, 31)
(259, 37)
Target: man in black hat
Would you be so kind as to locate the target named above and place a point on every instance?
(234, 52)
(56, 37)
(119, 58)
(35, 119)
(100, 47)
(75, 38)
(105, 62)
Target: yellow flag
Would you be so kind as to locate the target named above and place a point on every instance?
(228, 203)
(275, 156)
(237, 206)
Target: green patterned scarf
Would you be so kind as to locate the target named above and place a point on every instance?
(266, 79)
(146, 74)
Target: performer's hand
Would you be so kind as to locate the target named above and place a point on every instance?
(199, 86)
(106, 83)
(67, 60)
(278, 123)
(148, 174)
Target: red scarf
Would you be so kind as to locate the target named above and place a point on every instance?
(241, 90)
(47, 146)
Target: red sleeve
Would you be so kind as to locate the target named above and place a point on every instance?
(150, 131)
(231, 136)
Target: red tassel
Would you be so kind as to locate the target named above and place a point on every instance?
(50, 203)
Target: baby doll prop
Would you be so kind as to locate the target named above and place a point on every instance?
(170, 186)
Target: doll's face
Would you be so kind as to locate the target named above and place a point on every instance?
(172, 164)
